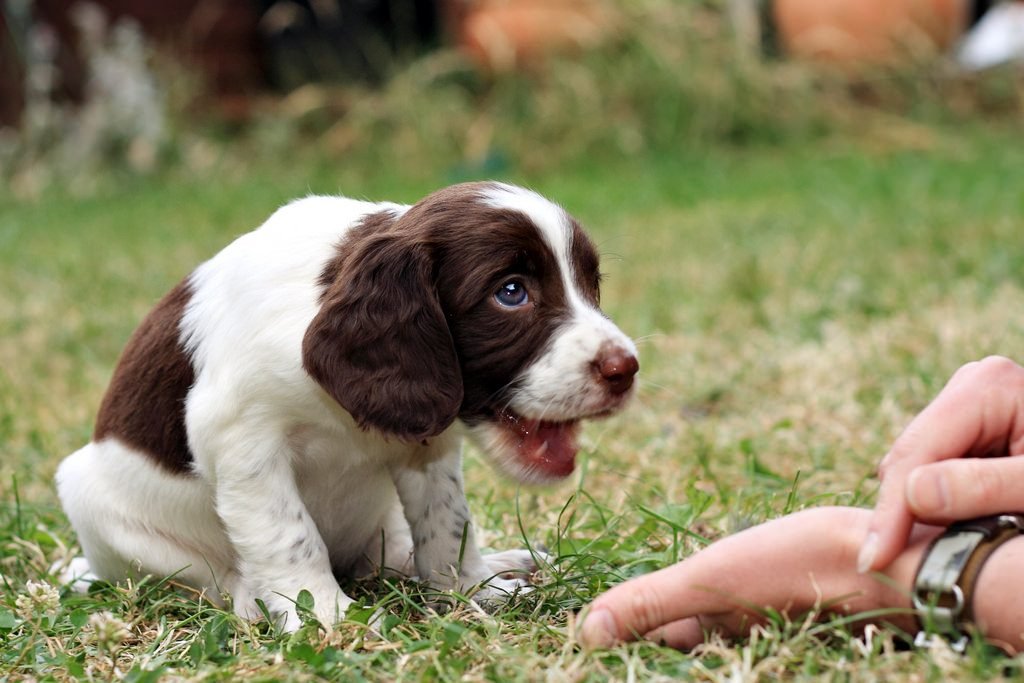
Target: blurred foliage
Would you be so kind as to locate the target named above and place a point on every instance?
(122, 123)
(672, 78)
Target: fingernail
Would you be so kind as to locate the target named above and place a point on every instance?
(598, 629)
(867, 553)
(927, 492)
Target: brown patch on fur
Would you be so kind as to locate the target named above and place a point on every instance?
(409, 335)
(586, 263)
(368, 225)
(145, 403)
(380, 345)
(496, 344)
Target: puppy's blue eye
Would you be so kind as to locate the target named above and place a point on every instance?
(511, 294)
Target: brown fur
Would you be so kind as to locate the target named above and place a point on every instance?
(145, 403)
(586, 261)
(409, 336)
(380, 345)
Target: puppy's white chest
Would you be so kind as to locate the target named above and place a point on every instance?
(347, 484)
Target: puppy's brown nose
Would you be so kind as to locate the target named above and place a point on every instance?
(617, 368)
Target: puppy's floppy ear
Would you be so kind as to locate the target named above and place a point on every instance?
(380, 345)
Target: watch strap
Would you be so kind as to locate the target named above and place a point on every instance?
(944, 583)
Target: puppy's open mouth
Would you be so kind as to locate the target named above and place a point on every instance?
(545, 448)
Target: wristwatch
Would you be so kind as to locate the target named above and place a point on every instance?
(944, 585)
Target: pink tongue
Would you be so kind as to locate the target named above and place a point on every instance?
(549, 446)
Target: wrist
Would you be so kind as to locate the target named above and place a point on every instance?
(998, 603)
(946, 578)
(893, 586)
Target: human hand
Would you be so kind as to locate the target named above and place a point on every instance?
(935, 473)
(793, 564)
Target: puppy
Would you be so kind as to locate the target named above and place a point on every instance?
(293, 410)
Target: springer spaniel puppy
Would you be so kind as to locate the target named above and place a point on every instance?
(294, 408)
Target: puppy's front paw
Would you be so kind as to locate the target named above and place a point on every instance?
(497, 592)
(510, 563)
(328, 608)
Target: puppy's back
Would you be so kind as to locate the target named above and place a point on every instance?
(245, 308)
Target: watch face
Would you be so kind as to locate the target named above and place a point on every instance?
(945, 562)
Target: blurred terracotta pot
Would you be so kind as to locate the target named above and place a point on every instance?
(850, 32)
(505, 34)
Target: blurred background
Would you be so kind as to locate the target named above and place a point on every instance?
(470, 87)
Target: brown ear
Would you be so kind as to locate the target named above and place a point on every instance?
(380, 345)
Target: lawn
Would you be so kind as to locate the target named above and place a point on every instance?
(795, 304)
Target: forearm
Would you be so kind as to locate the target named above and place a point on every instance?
(998, 600)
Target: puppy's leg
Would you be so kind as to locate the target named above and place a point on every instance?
(447, 556)
(390, 551)
(280, 551)
(133, 518)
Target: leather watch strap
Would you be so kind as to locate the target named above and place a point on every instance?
(944, 584)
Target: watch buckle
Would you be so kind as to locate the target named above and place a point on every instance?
(943, 618)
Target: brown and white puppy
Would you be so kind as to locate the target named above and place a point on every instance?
(294, 408)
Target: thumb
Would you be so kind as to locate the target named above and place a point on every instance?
(965, 488)
(625, 612)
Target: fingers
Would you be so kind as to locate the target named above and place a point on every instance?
(787, 563)
(888, 535)
(688, 633)
(684, 634)
(706, 583)
(641, 611)
(636, 607)
(965, 488)
(978, 412)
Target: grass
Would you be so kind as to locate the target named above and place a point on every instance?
(796, 304)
